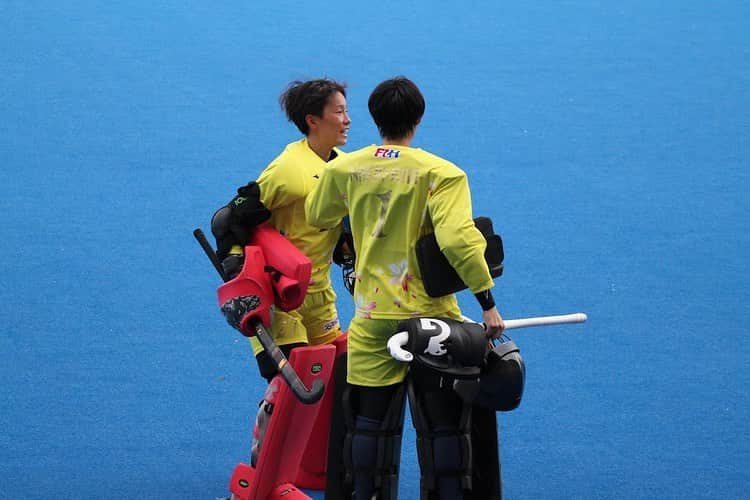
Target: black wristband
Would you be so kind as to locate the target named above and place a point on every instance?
(485, 300)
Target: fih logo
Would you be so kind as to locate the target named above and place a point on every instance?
(387, 153)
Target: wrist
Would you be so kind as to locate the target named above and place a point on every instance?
(485, 299)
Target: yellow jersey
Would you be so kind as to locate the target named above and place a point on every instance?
(284, 185)
(393, 195)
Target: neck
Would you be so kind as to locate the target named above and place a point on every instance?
(402, 141)
(320, 149)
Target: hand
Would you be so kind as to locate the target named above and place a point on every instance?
(246, 212)
(232, 265)
(493, 323)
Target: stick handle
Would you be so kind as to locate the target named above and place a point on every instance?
(560, 319)
(510, 324)
(210, 253)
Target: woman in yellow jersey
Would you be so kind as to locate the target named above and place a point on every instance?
(318, 109)
(393, 194)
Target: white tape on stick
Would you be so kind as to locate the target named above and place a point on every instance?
(545, 320)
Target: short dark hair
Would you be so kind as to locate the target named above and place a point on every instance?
(302, 98)
(396, 106)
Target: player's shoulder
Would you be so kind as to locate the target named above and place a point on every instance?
(439, 165)
(345, 159)
(288, 159)
(294, 151)
(290, 151)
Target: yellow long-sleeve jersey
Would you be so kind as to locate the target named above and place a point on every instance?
(284, 185)
(394, 195)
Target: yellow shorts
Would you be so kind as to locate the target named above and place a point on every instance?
(315, 322)
(368, 361)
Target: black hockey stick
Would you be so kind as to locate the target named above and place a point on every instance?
(299, 390)
(286, 370)
(210, 253)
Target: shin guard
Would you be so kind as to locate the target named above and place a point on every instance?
(371, 450)
(444, 446)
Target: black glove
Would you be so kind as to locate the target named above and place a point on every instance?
(232, 224)
(246, 212)
(236, 309)
(232, 265)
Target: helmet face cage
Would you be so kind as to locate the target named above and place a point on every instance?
(348, 276)
(502, 339)
(344, 255)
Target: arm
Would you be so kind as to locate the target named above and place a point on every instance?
(459, 239)
(325, 206)
(463, 245)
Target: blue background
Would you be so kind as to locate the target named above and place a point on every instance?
(609, 142)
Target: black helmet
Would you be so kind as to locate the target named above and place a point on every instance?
(502, 377)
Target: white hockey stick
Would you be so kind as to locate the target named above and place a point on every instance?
(510, 324)
(397, 342)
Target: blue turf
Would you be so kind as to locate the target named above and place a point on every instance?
(608, 141)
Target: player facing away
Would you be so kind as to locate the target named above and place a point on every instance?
(394, 193)
(318, 108)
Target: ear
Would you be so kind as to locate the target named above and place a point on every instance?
(312, 121)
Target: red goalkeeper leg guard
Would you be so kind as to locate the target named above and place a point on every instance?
(312, 470)
(287, 433)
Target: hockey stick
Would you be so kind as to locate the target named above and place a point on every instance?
(561, 319)
(399, 340)
(286, 370)
(210, 253)
(282, 364)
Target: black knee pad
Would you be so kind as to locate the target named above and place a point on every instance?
(377, 433)
(442, 420)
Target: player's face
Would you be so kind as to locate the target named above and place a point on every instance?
(333, 126)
